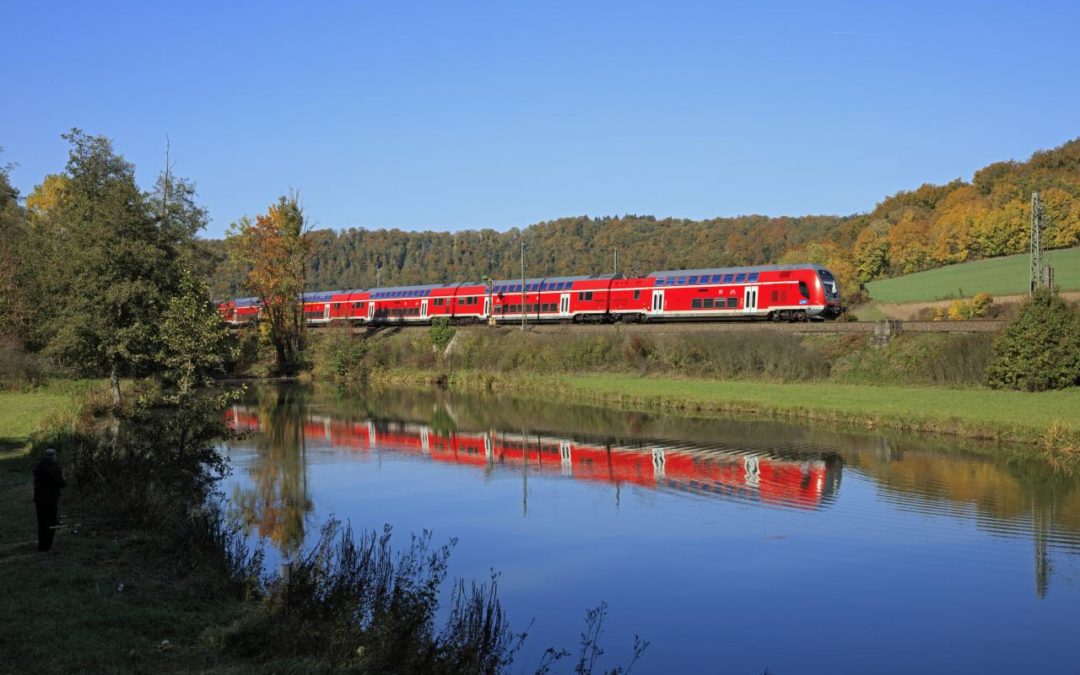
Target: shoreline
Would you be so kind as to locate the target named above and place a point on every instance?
(1039, 421)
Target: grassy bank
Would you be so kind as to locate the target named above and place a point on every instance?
(109, 594)
(145, 576)
(1044, 419)
(22, 413)
(918, 382)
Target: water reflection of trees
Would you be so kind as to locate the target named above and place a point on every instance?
(1014, 493)
(276, 505)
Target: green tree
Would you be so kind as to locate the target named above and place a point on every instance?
(13, 304)
(195, 343)
(1040, 349)
(274, 250)
(108, 269)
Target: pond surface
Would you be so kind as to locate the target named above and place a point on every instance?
(733, 546)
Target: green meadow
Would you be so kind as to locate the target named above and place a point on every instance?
(997, 276)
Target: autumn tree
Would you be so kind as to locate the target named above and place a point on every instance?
(274, 250)
(872, 253)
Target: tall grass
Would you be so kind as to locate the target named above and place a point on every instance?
(920, 358)
(354, 603)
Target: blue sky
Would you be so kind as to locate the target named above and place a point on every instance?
(462, 115)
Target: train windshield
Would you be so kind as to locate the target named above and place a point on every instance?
(828, 281)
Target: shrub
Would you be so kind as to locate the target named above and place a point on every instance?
(19, 368)
(981, 306)
(1040, 348)
(441, 333)
(358, 605)
(341, 354)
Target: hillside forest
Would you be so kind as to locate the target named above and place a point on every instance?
(915, 230)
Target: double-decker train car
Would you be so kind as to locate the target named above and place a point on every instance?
(774, 292)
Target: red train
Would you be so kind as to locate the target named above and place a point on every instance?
(801, 481)
(775, 292)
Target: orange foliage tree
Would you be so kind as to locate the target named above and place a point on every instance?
(274, 250)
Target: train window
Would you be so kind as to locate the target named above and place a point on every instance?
(659, 281)
(693, 280)
(775, 296)
(696, 304)
(804, 290)
(588, 295)
(728, 278)
(637, 294)
(753, 277)
(732, 302)
(739, 278)
(682, 281)
(707, 303)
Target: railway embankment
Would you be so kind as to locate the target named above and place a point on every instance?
(917, 382)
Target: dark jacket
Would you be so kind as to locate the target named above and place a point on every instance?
(48, 479)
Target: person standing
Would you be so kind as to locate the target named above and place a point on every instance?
(48, 479)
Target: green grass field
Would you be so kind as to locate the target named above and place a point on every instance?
(997, 276)
(929, 407)
(21, 413)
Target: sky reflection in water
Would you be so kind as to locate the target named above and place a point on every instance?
(732, 546)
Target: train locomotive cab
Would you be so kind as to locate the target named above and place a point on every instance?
(831, 291)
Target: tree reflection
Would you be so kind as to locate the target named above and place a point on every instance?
(276, 504)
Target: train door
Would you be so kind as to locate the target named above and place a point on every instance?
(750, 298)
(423, 309)
(371, 310)
(326, 312)
(564, 305)
(657, 302)
(487, 306)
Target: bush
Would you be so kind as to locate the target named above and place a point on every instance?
(912, 358)
(339, 354)
(441, 333)
(152, 462)
(358, 605)
(979, 307)
(1040, 349)
(19, 368)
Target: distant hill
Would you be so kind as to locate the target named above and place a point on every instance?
(911, 231)
(1007, 275)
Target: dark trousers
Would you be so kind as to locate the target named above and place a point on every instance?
(46, 521)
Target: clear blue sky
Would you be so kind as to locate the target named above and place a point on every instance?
(462, 115)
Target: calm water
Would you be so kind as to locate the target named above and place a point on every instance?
(733, 546)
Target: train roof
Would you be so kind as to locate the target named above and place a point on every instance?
(246, 302)
(737, 270)
(318, 296)
(534, 281)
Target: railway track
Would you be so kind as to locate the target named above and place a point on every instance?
(881, 328)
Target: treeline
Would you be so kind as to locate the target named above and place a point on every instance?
(361, 258)
(910, 231)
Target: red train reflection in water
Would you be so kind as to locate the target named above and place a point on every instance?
(798, 479)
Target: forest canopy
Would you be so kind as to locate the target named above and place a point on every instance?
(910, 231)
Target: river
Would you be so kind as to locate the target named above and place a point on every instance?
(733, 546)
